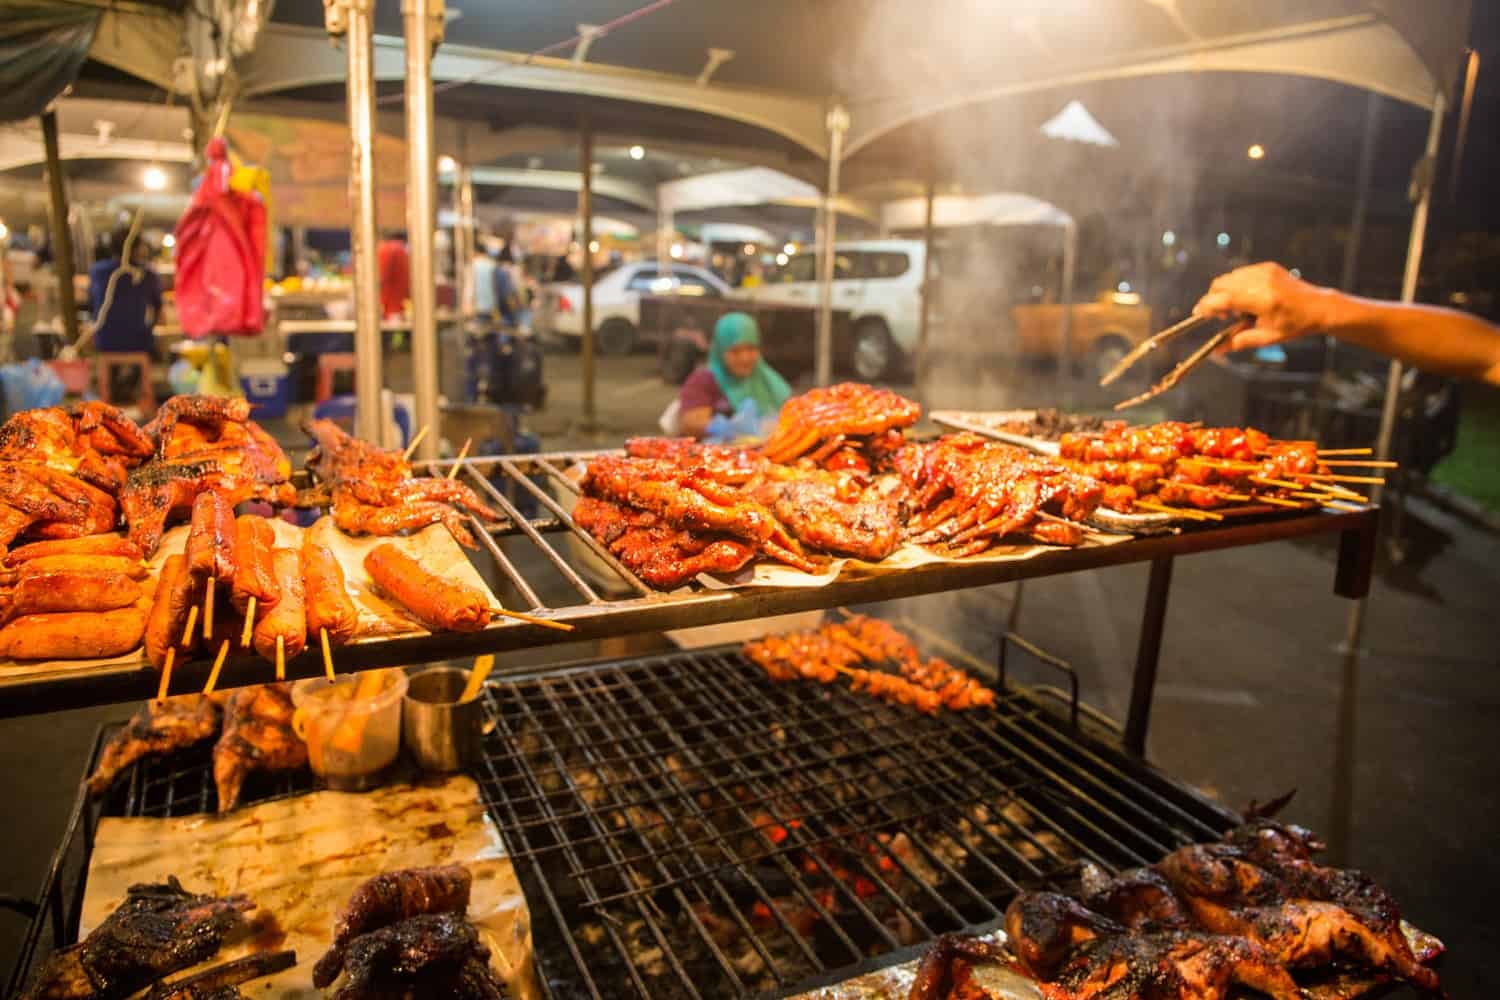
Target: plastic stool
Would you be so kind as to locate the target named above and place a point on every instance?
(327, 365)
(107, 360)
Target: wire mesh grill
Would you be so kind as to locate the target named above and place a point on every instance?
(686, 828)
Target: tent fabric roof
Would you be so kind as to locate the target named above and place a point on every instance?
(891, 62)
(950, 211)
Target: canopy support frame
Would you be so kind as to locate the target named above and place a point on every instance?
(838, 126)
(420, 18)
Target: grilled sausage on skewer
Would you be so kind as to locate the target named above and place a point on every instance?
(211, 541)
(287, 619)
(328, 604)
(437, 603)
(92, 545)
(176, 592)
(255, 572)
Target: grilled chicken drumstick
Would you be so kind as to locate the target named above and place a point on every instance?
(388, 898)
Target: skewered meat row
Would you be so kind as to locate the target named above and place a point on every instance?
(158, 930)
(820, 421)
(1249, 911)
(838, 648)
(373, 492)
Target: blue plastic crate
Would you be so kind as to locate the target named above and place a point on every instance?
(269, 393)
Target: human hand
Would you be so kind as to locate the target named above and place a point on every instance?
(1279, 306)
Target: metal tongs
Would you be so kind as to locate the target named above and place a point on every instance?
(1160, 340)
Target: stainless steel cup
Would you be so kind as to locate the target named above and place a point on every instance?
(441, 733)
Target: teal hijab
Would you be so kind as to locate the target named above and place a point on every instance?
(768, 389)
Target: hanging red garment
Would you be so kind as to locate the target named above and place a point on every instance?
(221, 255)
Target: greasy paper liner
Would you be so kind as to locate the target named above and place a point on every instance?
(300, 858)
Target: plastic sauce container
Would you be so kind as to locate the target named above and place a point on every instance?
(352, 725)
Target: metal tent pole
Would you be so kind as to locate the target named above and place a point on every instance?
(585, 239)
(422, 21)
(465, 239)
(1339, 825)
(62, 236)
(925, 317)
(354, 19)
(838, 124)
(1069, 269)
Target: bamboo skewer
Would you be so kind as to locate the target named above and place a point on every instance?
(213, 675)
(482, 667)
(1331, 478)
(532, 619)
(1345, 451)
(327, 653)
(1278, 502)
(1215, 490)
(1363, 463)
(249, 622)
(1187, 512)
(166, 674)
(208, 610)
(411, 449)
(459, 461)
(192, 620)
(281, 658)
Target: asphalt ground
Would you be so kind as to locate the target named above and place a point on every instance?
(1254, 697)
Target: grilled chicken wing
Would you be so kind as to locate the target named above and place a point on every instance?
(160, 727)
(158, 930)
(257, 736)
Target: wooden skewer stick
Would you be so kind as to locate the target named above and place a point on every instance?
(1277, 501)
(1341, 505)
(411, 449)
(533, 619)
(327, 653)
(187, 633)
(249, 622)
(213, 675)
(1330, 478)
(166, 674)
(1284, 484)
(1345, 451)
(459, 461)
(208, 609)
(1338, 492)
(281, 658)
(1364, 463)
(1190, 513)
(1215, 490)
(482, 667)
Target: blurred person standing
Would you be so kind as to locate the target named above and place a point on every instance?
(394, 267)
(134, 302)
(482, 283)
(736, 393)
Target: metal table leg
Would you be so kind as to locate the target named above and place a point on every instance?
(1143, 687)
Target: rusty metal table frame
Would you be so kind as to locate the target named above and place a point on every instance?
(595, 616)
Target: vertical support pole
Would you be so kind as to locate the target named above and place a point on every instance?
(1343, 778)
(465, 240)
(421, 213)
(355, 19)
(1065, 293)
(664, 237)
(925, 317)
(585, 238)
(62, 236)
(1148, 655)
(838, 124)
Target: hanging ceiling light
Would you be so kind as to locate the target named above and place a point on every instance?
(155, 179)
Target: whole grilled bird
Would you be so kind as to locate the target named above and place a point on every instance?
(158, 930)
(391, 897)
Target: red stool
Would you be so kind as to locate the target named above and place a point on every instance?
(106, 361)
(327, 365)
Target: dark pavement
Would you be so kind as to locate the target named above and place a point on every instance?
(1248, 706)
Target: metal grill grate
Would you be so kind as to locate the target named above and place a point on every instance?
(685, 826)
(182, 784)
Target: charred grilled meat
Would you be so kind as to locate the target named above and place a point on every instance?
(430, 955)
(1140, 898)
(389, 898)
(160, 727)
(820, 421)
(257, 736)
(373, 491)
(158, 930)
(223, 982)
(659, 554)
(835, 512)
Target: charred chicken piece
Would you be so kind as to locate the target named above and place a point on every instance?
(373, 491)
(726, 463)
(943, 970)
(257, 736)
(835, 512)
(1230, 895)
(206, 411)
(819, 420)
(662, 556)
(1043, 928)
(430, 955)
(223, 982)
(158, 930)
(1140, 898)
(388, 898)
(159, 728)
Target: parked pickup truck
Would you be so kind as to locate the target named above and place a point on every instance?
(1102, 332)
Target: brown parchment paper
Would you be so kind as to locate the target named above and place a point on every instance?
(300, 858)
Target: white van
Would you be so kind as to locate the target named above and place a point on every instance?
(879, 282)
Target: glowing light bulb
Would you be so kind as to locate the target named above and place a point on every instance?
(169, 241)
(1256, 152)
(155, 178)
(446, 164)
(593, 246)
(1168, 238)
(676, 251)
(1223, 239)
(637, 152)
(789, 249)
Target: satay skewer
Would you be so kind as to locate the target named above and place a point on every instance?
(1345, 451)
(1331, 478)
(1364, 463)
(192, 620)
(249, 622)
(1278, 502)
(535, 619)
(166, 675)
(1284, 484)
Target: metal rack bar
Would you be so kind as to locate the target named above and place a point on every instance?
(595, 615)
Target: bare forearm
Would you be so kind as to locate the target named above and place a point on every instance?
(1442, 341)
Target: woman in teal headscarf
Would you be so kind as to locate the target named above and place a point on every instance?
(736, 393)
